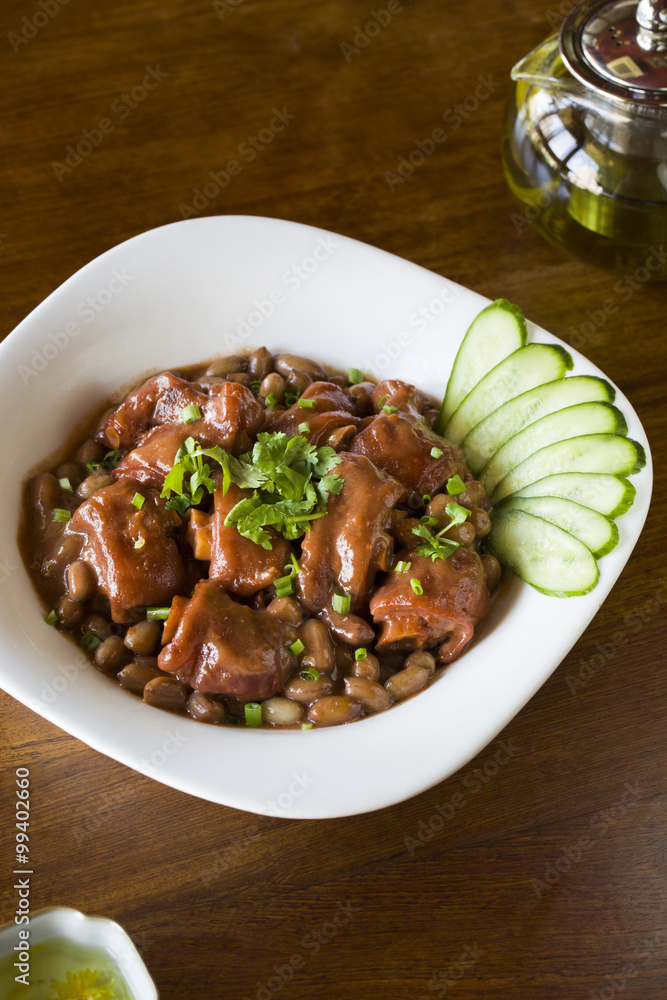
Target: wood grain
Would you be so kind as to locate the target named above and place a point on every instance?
(548, 882)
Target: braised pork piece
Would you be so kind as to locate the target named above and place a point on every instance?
(257, 541)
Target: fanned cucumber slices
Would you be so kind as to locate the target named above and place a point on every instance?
(551, 450)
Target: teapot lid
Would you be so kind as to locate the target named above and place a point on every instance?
(619, 49)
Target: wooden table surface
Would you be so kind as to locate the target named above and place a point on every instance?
(550, 883)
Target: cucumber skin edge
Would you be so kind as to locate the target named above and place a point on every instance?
(541, 590)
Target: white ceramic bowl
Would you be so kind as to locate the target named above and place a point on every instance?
(181, 294)
(90, 932)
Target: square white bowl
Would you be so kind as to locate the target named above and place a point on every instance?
(184, 293)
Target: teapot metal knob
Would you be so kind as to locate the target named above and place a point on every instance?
(652, 21)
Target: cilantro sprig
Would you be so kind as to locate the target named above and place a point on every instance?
(189, 461)
(292, 480)
(436, 546)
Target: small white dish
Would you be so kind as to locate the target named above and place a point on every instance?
(98, 933)
(181, 294)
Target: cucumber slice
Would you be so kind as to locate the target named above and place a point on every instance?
(593, 418)
(610, 453)
(598, 533)
(608, 495)
(526, 368)
(498, 331)
(487, 437)
(545, 556)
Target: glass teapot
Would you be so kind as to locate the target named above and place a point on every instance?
(585, 135)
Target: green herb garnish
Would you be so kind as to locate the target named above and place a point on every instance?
(354, 376)
(284, 586)
(60, 515)
(341, 603)
(403, 567)
(434, 546)
(309, 674)
(304, 428)
(190, 413)
(308, 404)
(90, 642)
(390, 409)
(436, 452)
(457, 513)
(455, 485)
(296, 647)
(361, 653)
(157, 614)
(417, 587)
(271, 399)
(65, 484)
(138, 500)
(51, 618)
(189, 461)
(253, 714)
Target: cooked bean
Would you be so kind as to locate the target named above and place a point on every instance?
(69, 612)
(351, 629)
(273, 383)
(368, 669)
(298, 381)
(437, 506)
(260, 363)
(71, 471)
(474, 496)
(492, 570)
(166, 692)
(287, 363)
(334, 710)
(339, 380)
(464, 533)
(281, 711)
(92, 483)
(111, 654)
(362, 397)
(136, 675)
(372, 695)
(480, 521)
(287, 608)
(90, 451)
(205, 709)
(402, 529)
(340, 437)
(143, 637)
(245, 378)
(431, 417)
(421, 658)
(223, 366)
(307, 691)
(344, 657)
(81, 581)
(407, 681)
(45, 495)
(97, 625)
(319, 651)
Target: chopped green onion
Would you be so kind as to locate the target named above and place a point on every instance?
(390, 409)
(417, 587)
(138, 501)
(61, 515)
(284, 586)
(361, 653)
(271, 399)
(304, 428)
(295, 565)
(255, 387)
(309, 674)
(403, 567)
(426, 499)
(253, 715)
(306, 725)
(157, 614)
(382, 401)
(296, 647)
(341, 603)
(65, 484)
(436, 453)
(231, 720)
(90, 642)
(51, 618)
(308, 404)
(190, 413)
(111, 459)
(354, 376)
(140, 542)
(427, 519)
(292, 396)
(455, 485)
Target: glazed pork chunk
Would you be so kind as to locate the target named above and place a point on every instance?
(454, 597)
(400, 442)
(332, 418)
(151, 423)
(130, 549)
(343, 552)
(222, 647)
(241, 565)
